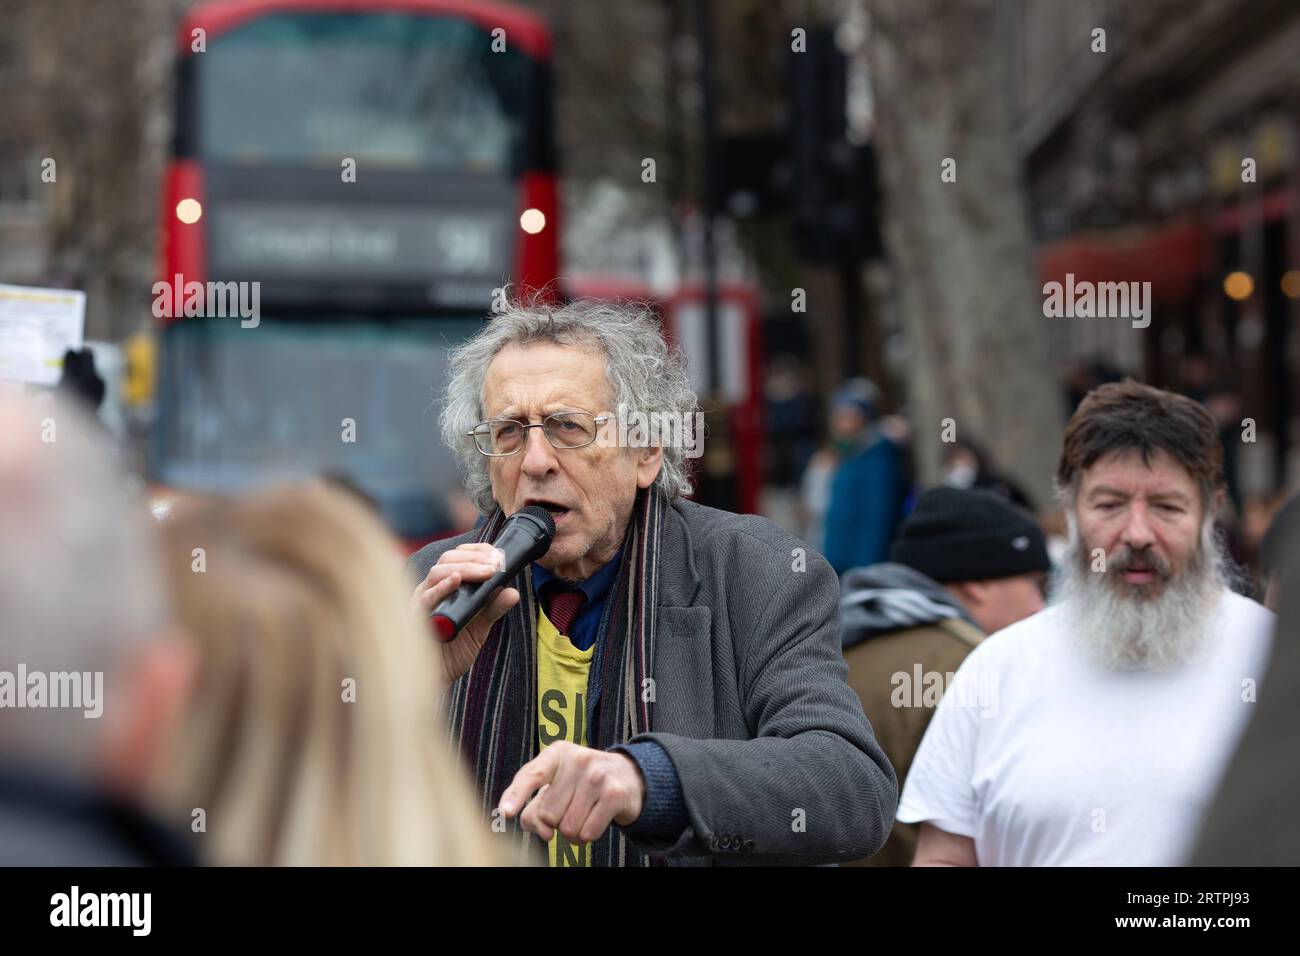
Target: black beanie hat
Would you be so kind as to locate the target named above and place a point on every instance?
(968, 534)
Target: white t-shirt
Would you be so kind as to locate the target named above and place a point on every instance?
(1046, 759)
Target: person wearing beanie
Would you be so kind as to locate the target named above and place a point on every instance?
(966, 563)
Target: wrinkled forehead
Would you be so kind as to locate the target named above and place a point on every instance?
(544, 377)
(1128, 471)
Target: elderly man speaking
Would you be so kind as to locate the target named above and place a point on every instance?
(666, 682)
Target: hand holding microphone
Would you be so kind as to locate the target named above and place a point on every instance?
(464, 594)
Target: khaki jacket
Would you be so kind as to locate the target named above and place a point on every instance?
(936, 648)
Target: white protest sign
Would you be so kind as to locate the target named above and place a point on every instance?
(36, 327)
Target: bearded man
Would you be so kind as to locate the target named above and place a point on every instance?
(1120, 704)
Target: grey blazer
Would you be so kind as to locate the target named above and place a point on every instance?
(777, 762)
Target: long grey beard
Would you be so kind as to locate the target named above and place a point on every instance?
(1121, 629)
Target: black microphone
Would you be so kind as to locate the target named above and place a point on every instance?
(526, 536)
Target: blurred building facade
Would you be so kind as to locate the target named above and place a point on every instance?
(1171, 157)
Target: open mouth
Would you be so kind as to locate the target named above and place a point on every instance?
(557, 510)
(1140, 573)
(1140, 567)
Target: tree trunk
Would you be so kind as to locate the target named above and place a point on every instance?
(970, 304)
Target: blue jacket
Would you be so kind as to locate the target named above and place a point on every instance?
(868, 492)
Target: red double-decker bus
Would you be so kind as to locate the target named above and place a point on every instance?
(378, 168)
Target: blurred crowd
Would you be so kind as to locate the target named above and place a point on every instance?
(928, 574)
(855, 487)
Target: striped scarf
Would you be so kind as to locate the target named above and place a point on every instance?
(492, 709)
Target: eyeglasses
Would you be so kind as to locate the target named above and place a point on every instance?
(500, 437)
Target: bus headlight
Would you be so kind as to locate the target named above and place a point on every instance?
(189, 211)
(532, 221)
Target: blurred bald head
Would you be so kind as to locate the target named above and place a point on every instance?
(79, 585)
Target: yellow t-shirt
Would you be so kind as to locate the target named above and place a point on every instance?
(561, 712)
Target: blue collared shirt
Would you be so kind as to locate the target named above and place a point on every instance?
(583, 630)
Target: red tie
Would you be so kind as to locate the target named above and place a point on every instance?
(562, 604)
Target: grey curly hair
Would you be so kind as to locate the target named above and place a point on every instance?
(644, 374)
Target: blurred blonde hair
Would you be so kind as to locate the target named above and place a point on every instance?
(303, 596)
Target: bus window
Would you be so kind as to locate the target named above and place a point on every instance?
(390, 91)
(293, 398)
